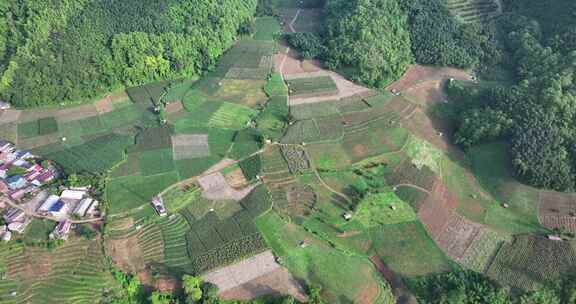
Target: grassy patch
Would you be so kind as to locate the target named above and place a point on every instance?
(97, 155)
(176, 198)
(383, 209)
(408, 250)
(423, 154)
(126, 193)
(266, 28)
(47, 126)
(231, 116)
(342, 277)
(38, 230)
(276, 86)
(490, 164)
(155, 161)
(28, 129)
(191, 167)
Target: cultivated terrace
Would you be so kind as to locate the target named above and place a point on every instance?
(287, 151)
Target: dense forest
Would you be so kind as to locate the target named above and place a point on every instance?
(537, 114)
(374, 41)
(370, 37)
(60, 51)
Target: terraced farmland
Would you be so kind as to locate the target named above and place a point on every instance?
(474, 10)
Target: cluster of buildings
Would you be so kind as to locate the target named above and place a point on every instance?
(22, 196)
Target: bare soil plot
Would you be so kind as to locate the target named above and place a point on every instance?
(39, 141)
(417, 74)
(106, 104)
(215, 187)
(31, 115)
(457, 236)
(278, 282)
(174, 107)
(423, 127)
(557, 210)
(76, 113)
(126, 253)
(236, 179)
(9, 116)
(190, 146)
(254, 277)
(426, 92)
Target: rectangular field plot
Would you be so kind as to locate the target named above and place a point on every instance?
(328, 156)
(246, 92)
(156, 162)
(302, 131)
(408, 249)
(314, 86)
(220, 237)
(266, 28)
(383, 209)
(373, 142)
(314, 110)
(531, 261)
(126, 193)
(97, 155)
(231, 116)
(190, 146)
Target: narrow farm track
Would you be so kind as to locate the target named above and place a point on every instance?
(315, 169)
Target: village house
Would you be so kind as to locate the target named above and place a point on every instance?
(62, 230)
(158, 205)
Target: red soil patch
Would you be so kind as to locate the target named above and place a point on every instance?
(360, 150)
(167, 284)
(276, 283)
(174, 107)
(369, 293)
(452, 232)
(126, 253)
(348, 234)
(558, 210)
(407, 173)
(417, 74)
(422, 126)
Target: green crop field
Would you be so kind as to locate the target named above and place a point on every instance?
(313, 85)
(231, 116)
(408, 250)
(343, 277)
(176, 198)
(383, 209)
(266, 28)
(529, 261)
(126, 193)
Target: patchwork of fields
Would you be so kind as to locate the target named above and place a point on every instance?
(308, 172)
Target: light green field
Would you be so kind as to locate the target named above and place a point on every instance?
(383, 209)
(342, 277)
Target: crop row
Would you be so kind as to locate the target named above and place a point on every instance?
(229, 253)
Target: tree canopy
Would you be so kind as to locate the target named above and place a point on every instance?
(536, 115)
(54, 52)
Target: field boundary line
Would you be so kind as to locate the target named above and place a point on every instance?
(315, 170)
(291, 25)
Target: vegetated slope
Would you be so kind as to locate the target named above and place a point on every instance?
(63, 51)
(439, 39)
(370, 37)
(536, 115)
